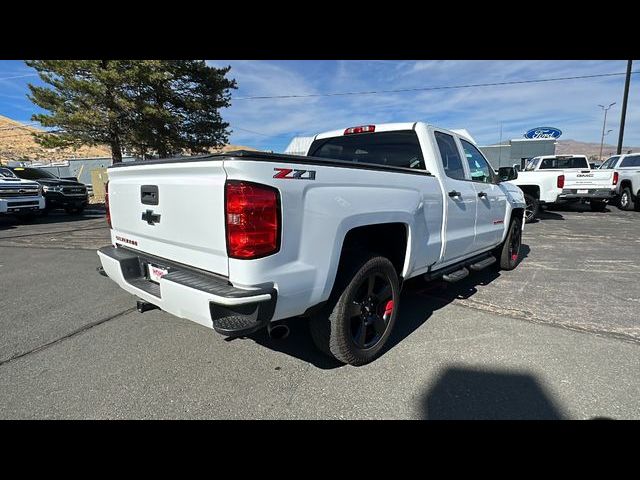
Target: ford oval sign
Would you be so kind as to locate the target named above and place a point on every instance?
(543, 132)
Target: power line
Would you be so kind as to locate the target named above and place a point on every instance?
(251, 131)
(444, 87)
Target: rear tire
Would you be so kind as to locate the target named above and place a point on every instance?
(626, 199)
(508, 253)
(356, 324)
(597, 205)
(531, 209)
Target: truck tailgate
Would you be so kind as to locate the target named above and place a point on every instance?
(588, 179)
(173, 211)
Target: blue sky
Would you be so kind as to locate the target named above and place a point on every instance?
(270, 124)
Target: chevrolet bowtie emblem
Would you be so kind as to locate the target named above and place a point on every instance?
(151, 217)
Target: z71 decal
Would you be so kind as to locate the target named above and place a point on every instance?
(290, 173)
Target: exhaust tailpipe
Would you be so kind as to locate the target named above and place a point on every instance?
(278, 331)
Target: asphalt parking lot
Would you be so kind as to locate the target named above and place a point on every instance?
(557, 338)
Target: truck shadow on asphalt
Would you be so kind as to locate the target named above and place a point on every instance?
(11, 222)
(462, 393)
(545, 215)
(419, 300)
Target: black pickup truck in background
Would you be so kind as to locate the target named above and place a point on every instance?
(69, 195)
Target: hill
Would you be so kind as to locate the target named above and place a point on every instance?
(586, 148)
(18, 143)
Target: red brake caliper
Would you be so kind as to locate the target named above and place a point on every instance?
(388, 309)
(514, 257)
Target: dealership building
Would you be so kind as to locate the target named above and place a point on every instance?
(518, 150)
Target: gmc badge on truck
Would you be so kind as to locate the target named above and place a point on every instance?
(290, 173)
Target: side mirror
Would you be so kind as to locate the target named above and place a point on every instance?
(507, 173)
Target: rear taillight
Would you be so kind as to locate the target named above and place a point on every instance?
(361, 129)
(615, 178)
(560, 181)
(106, 203)
(252, 213)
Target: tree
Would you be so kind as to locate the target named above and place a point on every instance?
(177, 106)
(145, 106)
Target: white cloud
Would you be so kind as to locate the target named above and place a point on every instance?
(569, 105)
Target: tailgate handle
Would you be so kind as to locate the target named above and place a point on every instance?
(149, 194)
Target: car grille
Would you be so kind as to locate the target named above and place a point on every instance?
(22, 192)
(22, 204)
(74, 190)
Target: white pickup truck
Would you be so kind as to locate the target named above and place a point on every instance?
(19, 197)
(539, 188)
(240, 240)
(575, 179)
(626, 169)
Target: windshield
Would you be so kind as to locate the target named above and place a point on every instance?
(32, 173)
(609, 164)
(5, 172)
(564, 163)
(395, 149)
(532, 164)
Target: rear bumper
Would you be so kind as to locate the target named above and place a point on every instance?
(204, 298)
(600, 194)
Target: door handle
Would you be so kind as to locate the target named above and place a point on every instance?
(453, 193)
(482, 195)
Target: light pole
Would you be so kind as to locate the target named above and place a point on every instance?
(604, 125)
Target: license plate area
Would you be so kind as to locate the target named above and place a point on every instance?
(583, 191)
(155, 272)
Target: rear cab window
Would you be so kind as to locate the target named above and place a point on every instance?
(562, 163)
(393, 149)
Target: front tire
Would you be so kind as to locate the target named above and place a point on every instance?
(531, 209)
(356, 324)
(626, 199)
(508, 253)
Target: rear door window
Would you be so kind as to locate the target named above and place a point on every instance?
(450, 156)
(633, 161)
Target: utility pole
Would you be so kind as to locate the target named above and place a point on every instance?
(500, 148)
(604, 125)
(624, 106)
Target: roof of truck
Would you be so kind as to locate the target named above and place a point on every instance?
(389, 127)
